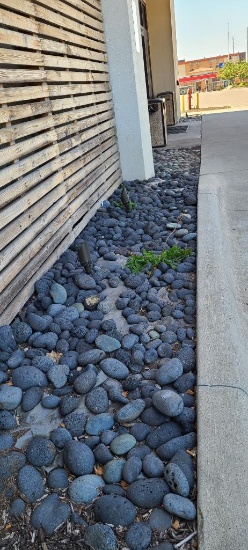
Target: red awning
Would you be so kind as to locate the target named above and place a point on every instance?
(189, 79)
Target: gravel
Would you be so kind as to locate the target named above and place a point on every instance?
(100, 537)
(114, 510)
(109, 358)
(78, 458)
(130, 412)
(40, 451)
(29, 377)
(122, 444)
(50, 514)
(30, 483)
(147, 493)
(31, 398)
(114, 368)
(58, 479)
(85, 489)
(168, 402)
(179, 506)
(160, 520)
(138, 536)
(10, 397)
(113, 471)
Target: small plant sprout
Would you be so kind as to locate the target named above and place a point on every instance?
(131, 205)
(172, 257)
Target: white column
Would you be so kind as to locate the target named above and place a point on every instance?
(127, 77)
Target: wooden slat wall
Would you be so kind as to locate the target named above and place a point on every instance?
(59, 156)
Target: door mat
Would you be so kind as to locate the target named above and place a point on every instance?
(176, 129)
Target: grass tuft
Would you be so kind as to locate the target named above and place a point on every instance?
(172, 257)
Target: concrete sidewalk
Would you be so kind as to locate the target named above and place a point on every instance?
(222, 317)
(190, 138)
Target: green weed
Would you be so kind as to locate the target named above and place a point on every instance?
(131, 205)
(172, 257)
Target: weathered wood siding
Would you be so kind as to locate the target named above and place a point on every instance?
(59, 156)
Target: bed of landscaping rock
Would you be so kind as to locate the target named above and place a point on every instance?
(97, 377)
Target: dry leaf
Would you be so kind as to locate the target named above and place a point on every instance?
(9, 383)
(55, 355)
(124, 484)
(124, 393)
(191, 453)
(98, 470)
(62, 425)
(8, 526)
(176, 525)
(190, 392)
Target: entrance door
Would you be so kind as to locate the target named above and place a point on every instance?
(146, 48)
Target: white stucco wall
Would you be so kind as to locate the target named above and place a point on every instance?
(127, 79)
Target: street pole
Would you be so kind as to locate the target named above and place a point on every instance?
(233, 44)
(228, 38)
(247, 47)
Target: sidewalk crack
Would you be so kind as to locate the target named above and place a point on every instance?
(223, 386)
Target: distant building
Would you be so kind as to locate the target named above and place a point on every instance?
(185, 68)
(200, 74)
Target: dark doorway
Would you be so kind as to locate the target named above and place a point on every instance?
(146, 48)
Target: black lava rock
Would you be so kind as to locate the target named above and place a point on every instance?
(78, 458)
(40, 451)
(147, 493)
(31, 483)
(115, 510)
(138, 536)
(50, 514)
(29, 377)
(7, 339)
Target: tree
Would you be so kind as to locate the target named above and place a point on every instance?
(232, 71)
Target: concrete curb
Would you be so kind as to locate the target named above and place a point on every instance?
(222, 328)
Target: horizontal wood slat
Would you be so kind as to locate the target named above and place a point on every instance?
(13, 288)
(19, 206)
(70, 37)
(59, 149)
(72, 13)
(54, 46)
(94, 9)
(31, 241)
(36, 125)
(32, 75)
(23, 148)
(16, 21)
(35, 10)
(22, 167)
(33, 42)
(19, 57)
(24, 6)
(29, 93)
(17, 39)
(64, 21)
(15, 304)
(10, 114)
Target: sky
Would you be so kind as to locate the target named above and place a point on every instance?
(202, 27)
